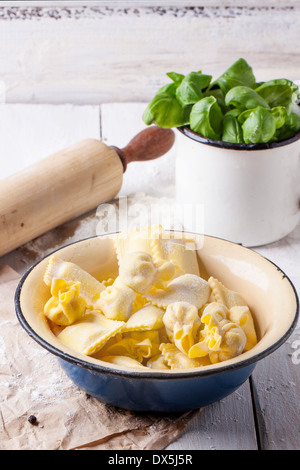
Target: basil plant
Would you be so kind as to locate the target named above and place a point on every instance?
(233, 108)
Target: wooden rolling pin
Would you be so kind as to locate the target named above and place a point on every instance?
(69, 183)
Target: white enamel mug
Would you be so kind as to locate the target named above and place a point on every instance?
(249, 194)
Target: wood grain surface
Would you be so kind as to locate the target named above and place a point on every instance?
(95, 52)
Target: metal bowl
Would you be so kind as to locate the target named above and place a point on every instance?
(268, 291)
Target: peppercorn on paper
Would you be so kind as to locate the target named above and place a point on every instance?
(32, 383)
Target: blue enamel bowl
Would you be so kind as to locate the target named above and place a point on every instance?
(267, 290)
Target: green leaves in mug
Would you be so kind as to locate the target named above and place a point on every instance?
(239, 74)
(232, 131)
(206, 118)
(176, 77)
(219, 95)
(165, 110)
(278, 92)
(243, 97)
(289, 129)
(234, 108)
(259, 127)
(190, 89)
(280, 114)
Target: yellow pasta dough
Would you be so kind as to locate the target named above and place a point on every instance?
(219, 293)
(182, 321)
(131, 347)
(157, 362)
(176, 359)
(143, 336)
(157, 314)
(66, 305)
(163, 247)
(123, 361)
(153, 335)
(130, 242)
(175, 251)
(165, 271)
(89, 286)
(147, 318)
(220, 338)
(116, 301)
(137, 271)
(139, 302)
(187, 287)
(232, 344)
(213, 313)
(242, 316)
(90, 334)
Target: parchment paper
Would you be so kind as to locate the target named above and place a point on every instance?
(32, 383)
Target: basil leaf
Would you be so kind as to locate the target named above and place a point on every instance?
(206, 118)
(190, 89)
(280, 114)
(290, 128)
(293, 122)
(232, 131)
(257, 85)
(170, 88)
(176, 77)
(245, 98)
(278, 92)
(235, 112)
(219, 95)
(244, 115)
(240, 73)
(165, 111)
(259, 127)
(147, 116)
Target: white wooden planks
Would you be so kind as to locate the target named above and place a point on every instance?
(225, 425)
(277, 378)
(277, 386)
(29, 133)
(120, 123)
(96, 52)
(150, 3)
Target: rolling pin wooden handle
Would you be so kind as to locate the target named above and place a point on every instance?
(68, 184)
(151, 143)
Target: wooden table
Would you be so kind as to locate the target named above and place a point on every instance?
(262, 414)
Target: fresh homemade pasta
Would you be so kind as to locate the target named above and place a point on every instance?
(157, 314)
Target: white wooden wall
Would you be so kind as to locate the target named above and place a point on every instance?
(91, 52)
